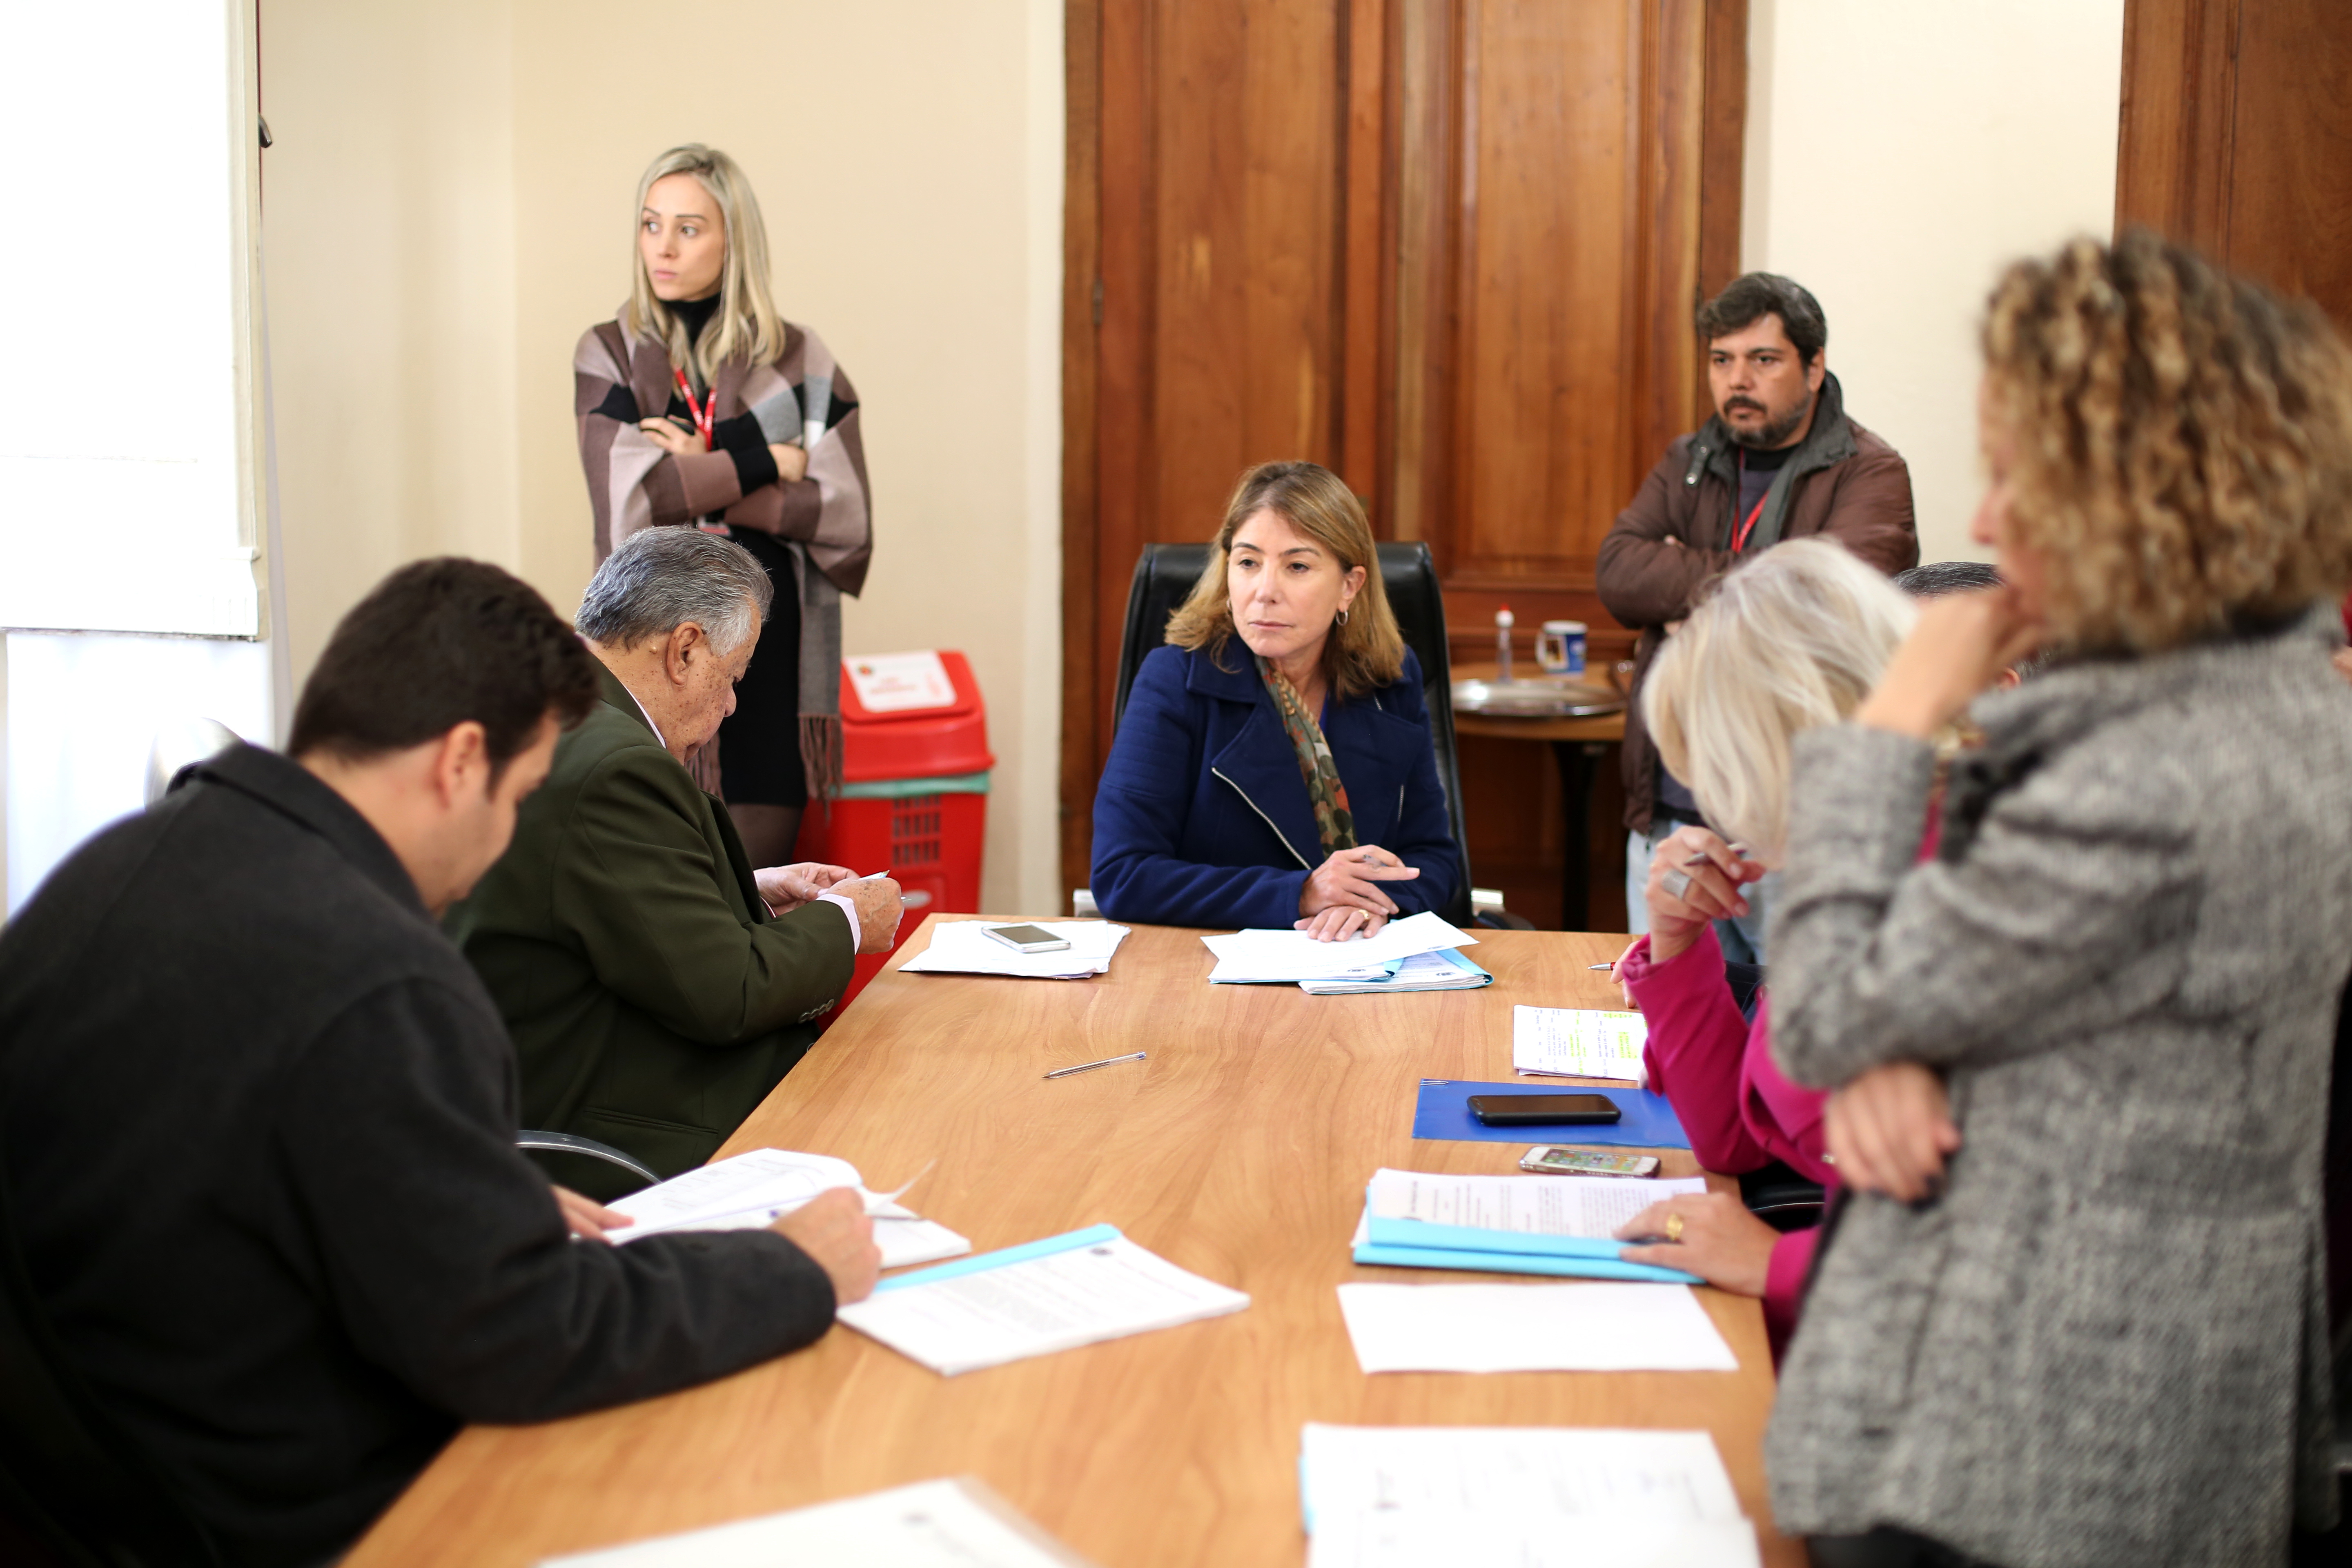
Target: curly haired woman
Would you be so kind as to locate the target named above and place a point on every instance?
(2102, 1340)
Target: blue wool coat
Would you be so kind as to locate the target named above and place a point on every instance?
(1203, 818)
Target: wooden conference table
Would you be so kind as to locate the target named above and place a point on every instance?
(1239, 1151)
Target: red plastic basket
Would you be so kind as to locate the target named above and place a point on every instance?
(915, 803)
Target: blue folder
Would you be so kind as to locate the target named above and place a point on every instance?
(1645, 1119)
(1416, 1244)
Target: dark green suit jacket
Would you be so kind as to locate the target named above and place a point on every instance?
(653, 1000)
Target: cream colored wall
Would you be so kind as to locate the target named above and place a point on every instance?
(388, 233)
(448, 209)
(1898, 155)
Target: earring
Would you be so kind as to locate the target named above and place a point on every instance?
(1343, 617)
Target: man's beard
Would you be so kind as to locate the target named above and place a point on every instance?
(1776, 432)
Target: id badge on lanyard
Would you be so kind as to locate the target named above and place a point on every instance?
(705, 413)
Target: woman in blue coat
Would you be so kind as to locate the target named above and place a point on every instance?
(1290, 779)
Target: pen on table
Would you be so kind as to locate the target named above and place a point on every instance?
(1089, 1066)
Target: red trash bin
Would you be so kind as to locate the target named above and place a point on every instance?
(914, 795)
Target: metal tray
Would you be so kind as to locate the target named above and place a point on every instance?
(1547, 697)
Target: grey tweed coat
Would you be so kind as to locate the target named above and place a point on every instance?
(2107, 1343)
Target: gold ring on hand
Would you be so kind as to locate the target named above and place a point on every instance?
(1674, 1228)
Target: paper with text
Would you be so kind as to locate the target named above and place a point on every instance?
(964, 947)
(1443, 970)
(1037, 1306)
(1478, 1540)
(1579, 1042)
(1598, 1327)
(1556, 1472)
(1535, 1206)
(1276, 957)
(932, 1524)
(749, 1191)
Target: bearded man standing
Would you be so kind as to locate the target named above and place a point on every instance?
(1779, 460)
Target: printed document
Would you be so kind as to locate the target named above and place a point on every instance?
(1599, 1327)
(1481, 1540)
(1278, 957)
(932, 1524)
(964, 947)
(1443, 970)
(976, 1314)
(1579, 1042)
(1395, 1497)
(752, 1190)
(1537, 1206)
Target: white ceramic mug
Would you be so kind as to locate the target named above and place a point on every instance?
(1560, 648)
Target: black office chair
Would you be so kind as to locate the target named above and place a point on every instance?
(584, 1165)
(68, 1479)
(1164, 577)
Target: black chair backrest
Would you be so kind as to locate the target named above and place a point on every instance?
(1164, 576)
(66, 1473)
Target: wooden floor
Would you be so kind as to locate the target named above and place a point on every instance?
(1239, 1151)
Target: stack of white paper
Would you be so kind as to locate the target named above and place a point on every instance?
(1286, 957)
(932, 1524)
(1471, 1497)
(750, 1191)
(1051, 1295)
(964, 947)
(1535, 1205)
(1579, 1042)
(1605, 1326)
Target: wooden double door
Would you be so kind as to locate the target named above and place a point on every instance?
(1448, 248)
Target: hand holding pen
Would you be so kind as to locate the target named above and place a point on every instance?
(1694, 877)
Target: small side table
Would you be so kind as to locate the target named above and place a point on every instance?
(1578, 744)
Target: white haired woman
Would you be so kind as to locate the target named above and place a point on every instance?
(698, 404)
(1792, 640)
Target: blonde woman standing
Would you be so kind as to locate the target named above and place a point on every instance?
(699, 404)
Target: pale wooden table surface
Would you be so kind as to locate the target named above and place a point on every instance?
(1239, 1151)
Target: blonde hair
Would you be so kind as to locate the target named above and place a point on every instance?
(1795, 638)
(1362, 652)
(746, 325)
(2183, 442)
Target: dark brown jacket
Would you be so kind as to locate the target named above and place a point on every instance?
(1677, 537)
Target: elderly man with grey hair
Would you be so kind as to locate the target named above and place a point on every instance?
(656, 986)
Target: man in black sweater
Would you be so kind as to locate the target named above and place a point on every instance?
(258, 1116)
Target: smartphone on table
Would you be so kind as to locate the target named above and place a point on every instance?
(1552, 1160)
(1029, 938)
(1543, 1110)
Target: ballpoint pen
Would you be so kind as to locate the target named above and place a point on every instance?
(1089, 1066)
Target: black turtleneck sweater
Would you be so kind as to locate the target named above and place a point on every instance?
(740, 437)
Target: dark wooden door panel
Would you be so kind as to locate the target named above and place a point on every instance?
(1448, 247)
(2236, 137)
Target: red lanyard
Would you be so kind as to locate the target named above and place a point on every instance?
(1739, 541)
(707, 410)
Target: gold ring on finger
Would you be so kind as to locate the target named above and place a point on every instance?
(1674, 1228)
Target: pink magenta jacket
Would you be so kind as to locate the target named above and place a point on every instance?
(1739, 1111)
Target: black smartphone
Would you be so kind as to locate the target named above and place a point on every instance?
(1543, 1110)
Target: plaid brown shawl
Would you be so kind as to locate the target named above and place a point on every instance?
(804, 397)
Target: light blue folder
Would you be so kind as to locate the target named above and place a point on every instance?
(1416, 1244)
(1069, 1241)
